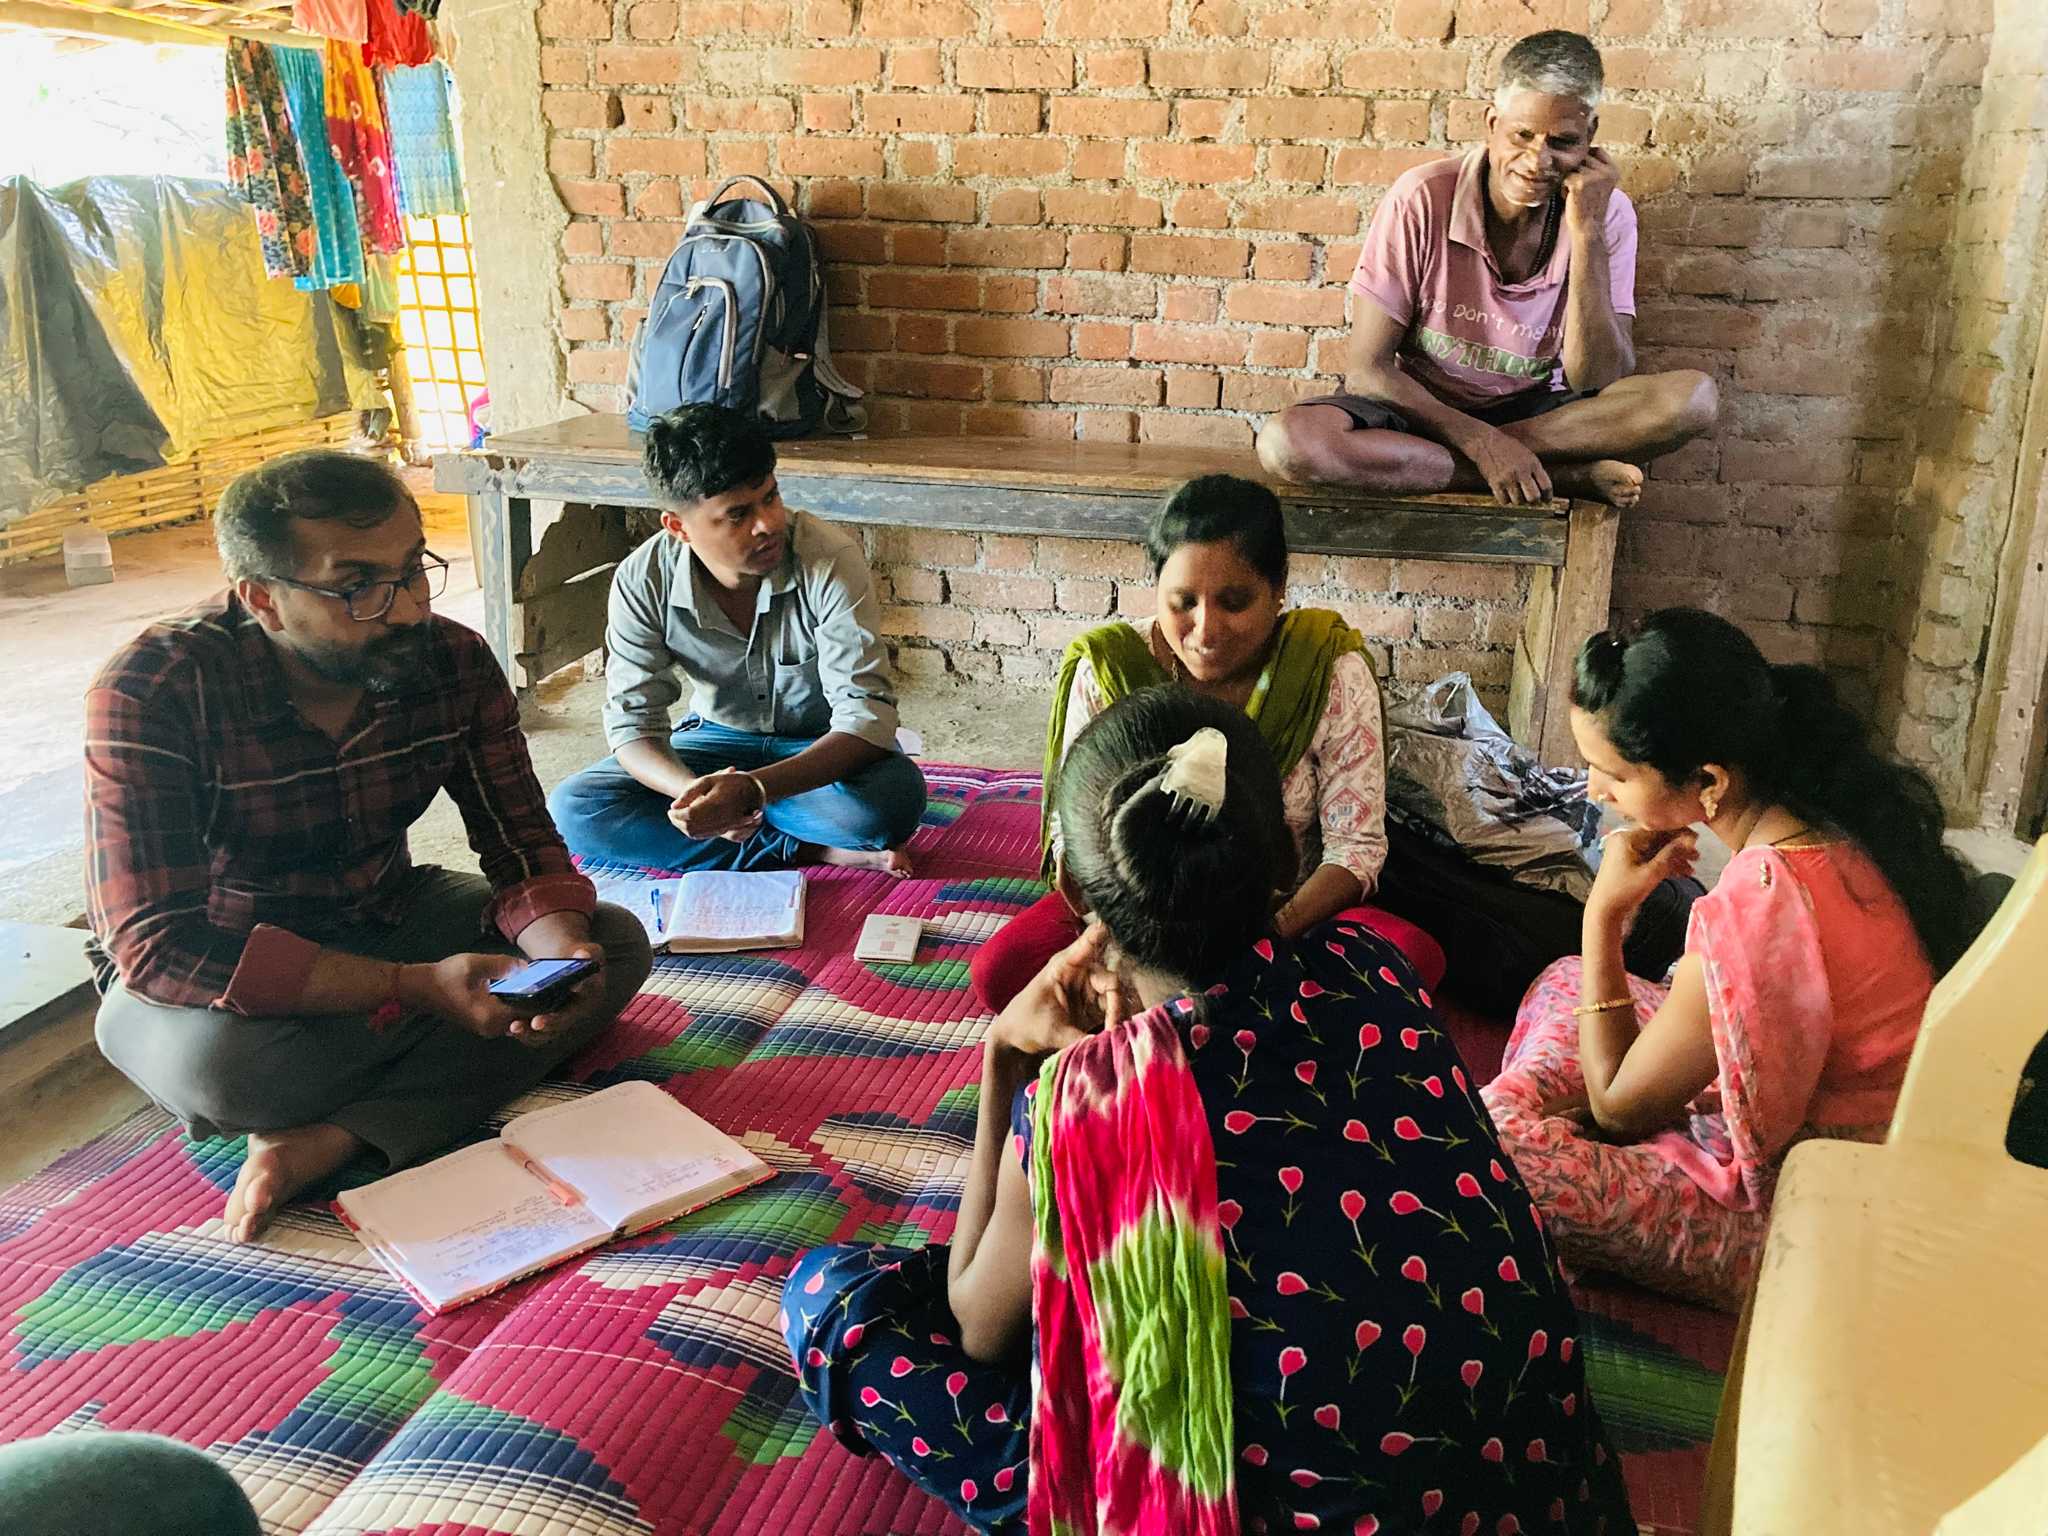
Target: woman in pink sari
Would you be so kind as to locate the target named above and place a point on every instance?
(1650, 1121)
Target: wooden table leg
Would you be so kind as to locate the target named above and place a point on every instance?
(504, 543)
(1584, 601)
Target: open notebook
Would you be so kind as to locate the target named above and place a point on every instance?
(554, 1183)
(714, 911)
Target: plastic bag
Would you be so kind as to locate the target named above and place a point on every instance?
(1455, 777)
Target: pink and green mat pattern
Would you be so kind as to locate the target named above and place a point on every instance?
(643, 1389)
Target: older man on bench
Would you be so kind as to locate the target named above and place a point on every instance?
(1491, 345)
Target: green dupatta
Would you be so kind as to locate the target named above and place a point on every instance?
(1287, 702)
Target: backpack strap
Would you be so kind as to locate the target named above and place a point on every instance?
(773, 198)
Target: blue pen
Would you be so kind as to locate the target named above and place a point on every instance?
(654, 901)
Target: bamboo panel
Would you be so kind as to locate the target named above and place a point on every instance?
(174, 493)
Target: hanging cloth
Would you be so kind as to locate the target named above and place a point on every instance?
(355, 129)
(396, 37)
(380, 289)
(348, 20)
(338, 247)
(264, 168)
(422, 127)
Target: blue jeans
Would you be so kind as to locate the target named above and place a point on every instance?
(609, 816)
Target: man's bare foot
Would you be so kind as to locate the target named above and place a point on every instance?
(1608, 480)
(278, 1165)
(891, 861)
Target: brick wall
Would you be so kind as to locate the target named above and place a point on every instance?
(1132, 220)
(1964, 522)
(1001, 609)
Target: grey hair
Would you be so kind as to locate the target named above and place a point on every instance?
(1555, 63)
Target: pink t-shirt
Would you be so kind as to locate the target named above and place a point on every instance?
(1474, 340)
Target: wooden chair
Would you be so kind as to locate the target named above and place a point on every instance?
(1895, 1354)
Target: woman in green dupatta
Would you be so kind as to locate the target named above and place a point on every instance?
(1218, 548)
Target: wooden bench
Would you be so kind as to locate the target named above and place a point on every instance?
(545, 607)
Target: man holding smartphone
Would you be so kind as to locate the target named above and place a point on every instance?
(273, 963)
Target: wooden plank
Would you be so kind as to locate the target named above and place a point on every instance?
(563, 624)
(179, 491)
(1528, 702)
(1585, 598)
(580, 540)
(501, 532)
(1005, 500)
(601, 446)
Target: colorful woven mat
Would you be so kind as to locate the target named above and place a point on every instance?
(643, 1389)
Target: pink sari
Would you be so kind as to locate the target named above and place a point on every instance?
(1131, 1426)
(1815, 984)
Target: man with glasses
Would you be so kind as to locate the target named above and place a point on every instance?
(273, 962)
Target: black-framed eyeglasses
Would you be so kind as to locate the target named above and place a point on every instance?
(373, 599)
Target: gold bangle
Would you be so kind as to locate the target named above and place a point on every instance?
(1607, 1007)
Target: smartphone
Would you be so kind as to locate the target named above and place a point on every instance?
(542, 984)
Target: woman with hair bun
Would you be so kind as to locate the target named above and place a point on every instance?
(1651, 1121)
(1252, 1258)
(1218, 549)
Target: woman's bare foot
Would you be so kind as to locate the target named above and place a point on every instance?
(278, 1165)
(891, 861)
(1608, 480)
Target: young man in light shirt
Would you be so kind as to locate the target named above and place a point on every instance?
(788, 755)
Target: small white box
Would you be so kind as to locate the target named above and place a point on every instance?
(88, 557)
(889, 940)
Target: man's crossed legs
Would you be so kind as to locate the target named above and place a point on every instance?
(312, 1092)
(1592, 446)
(607, 815)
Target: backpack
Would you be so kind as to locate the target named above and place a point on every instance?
(738, 320)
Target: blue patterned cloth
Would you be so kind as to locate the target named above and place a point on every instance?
(338, 246)
(416, 115)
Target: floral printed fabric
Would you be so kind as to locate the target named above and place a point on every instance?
(355, 132)
(338, 241)
(1403, 1354)
(1628, 1209)
(263, 159)
(876, 1355)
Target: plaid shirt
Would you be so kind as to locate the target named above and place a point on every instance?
(227, 839)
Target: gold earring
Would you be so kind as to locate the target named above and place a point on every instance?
(1711, 804)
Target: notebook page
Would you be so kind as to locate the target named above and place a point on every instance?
(634, 1153)
(653, 902)
(737, 907)
(470, 1221)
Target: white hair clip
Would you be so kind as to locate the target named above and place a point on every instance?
(1196, 775)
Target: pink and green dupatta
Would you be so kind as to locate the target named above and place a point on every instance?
(1131, 1416)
